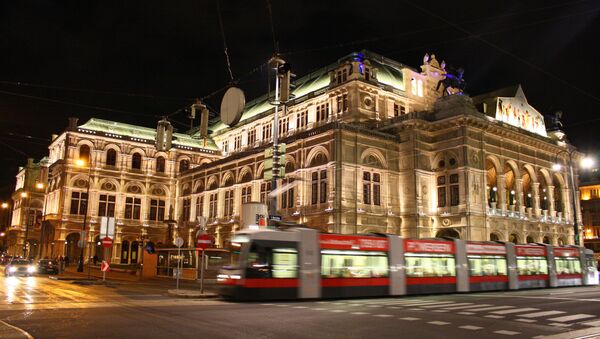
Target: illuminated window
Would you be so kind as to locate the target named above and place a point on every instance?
(567, 265)
(430, 265)
(106, 205)
(420, 88)
(353, 264)
(532, 265)
(84, 154)
(133, 207)
(487, 265)
(413, 86)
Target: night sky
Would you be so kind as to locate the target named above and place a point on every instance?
(135, 61)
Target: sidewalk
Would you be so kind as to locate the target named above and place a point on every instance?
(131, 278)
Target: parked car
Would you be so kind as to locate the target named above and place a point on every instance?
(19, 267)
(6, 259)
(47, 266)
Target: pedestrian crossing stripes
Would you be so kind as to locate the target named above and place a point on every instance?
(518, 310)
(572, 317)
(541, 314)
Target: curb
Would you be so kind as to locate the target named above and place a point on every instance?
(191, 294)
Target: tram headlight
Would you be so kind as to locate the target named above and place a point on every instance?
(12, 269)
(30, 269)
(222, 277)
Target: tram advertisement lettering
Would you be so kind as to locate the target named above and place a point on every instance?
(566, 252)
(429, 246)
(345, 242)
(531, 251)
(485, 249)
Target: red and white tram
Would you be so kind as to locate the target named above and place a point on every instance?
(302, 263)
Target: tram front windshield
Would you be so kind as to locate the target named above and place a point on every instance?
(272, 259)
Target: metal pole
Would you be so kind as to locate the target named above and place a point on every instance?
(26, 226)
(103, 260)
(574, 189)
(87, 206)
(275, 169)
(202, 273)
(178, 263)
(42, 224)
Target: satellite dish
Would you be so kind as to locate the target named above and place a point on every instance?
(232, 106)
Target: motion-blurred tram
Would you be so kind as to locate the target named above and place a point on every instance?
(301, 263)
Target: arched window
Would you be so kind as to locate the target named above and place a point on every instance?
(543, 192)
(125, 252)
(526, 185)
(111, 157)
(136, 161)
(513, 238)
(530, 239)
(494, 237)
(546, 240)
(84, 153)
(134, 252)
(509, 178)
(184, 165)
(558, 201)
(448, 233)
(492, 183)
(160, 165)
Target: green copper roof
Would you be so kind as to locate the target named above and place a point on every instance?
(389, 73)
(140, 132)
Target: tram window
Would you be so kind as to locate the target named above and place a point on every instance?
(532, 265)
(353, 264)
(567, 265)
(487, 265)
(430, 266)
(270, 262)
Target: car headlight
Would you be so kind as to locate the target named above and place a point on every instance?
(12, 269)
(30, 269)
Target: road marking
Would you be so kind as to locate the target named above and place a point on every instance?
(470, 327)
(384, 315)
(22, 331)
(338, 311)
(319, 309)
(441, 311)
(527, 320)
(426, 303)
(494, 316)
(267, 304)
(394, 307)
(592, 323)
(469, 306)
(299, 307)
(439, 323)
(359, 313)
(282, 305)
(560, 324)
(540, 314)
(572, 317)
(436, 306)
(409, 318)
(415, 309)
(490, 308)
(507, 332)
(375, 306)
(518, 310)
(466, 313)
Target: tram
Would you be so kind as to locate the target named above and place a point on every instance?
(301, 263)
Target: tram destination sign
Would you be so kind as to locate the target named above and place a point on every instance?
(428, 246)
(485, 249)
(566, 252)
(531, 251)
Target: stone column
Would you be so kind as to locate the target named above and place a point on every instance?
(535, 194)
(501, 194)
(550, 194)
(519, 195)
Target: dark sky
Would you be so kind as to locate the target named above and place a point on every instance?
(134, 61)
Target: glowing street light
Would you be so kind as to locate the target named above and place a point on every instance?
(23, 194)
(80, 163)
(586, 163)
(39, 185)
(4, 205)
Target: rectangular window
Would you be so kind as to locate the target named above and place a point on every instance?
(353, 264)
(532, 265)
(228, 212)
(322, 112)
(78, 203)
(251, 136)
(487, 265)
(323, 187)
(133, 207)
(430, 265)
(272, 262)
(570, 265)
(187, 206)
(106, 205)
(212, 206)
(284, 126)
(301, 119)
(200, 206)
(157, 210)
(225, 146)
(399, 110)
(345, 102)
(246, 194)
(267, 132)
(441, 191)
(366, 187)
(265, 188)
(237, 144)
(454, 190)
(287, 197)
(314, 188)
(376, 189)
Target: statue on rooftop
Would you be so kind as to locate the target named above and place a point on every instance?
(453, 81)
(554, 122)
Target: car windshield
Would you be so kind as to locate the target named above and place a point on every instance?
(20, 262)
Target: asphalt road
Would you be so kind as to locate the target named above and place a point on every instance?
(47, 308)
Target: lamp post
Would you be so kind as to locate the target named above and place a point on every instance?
(41, 186)
(585, 163)
(82, 163)
(24, 195)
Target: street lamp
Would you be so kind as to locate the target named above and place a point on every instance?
(584, 163)
(40, 185)
(82, 163)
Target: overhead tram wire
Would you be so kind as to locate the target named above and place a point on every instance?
(224, 41)
(504, 51)
(275, 42)
(424, 30)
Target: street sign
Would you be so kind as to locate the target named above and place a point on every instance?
(204, 241)
(107, 227)
(105, 266)
(107, 242)
(275, 217)
(201, 221)
(178, 242)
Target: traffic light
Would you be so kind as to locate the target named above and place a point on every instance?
(269, 160)
(150, 247)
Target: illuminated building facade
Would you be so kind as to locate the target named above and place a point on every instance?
(590, 211)
(372, 145)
